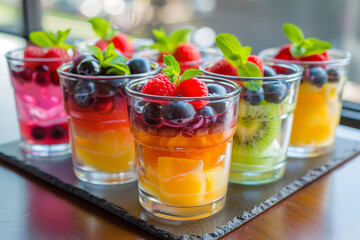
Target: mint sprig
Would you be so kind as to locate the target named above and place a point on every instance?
(110, 60)
(301, 46)
(50, 39)
(169, 43)
(173, 70)
(102, 28)
(237, 56)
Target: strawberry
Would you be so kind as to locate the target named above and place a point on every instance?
(317, 57)
(223, 67)
(56, 52)
(102, 44)
(187, 52)
(258, 62)
(284, 53)
(159, 85)
(123, 44)
(193, 87)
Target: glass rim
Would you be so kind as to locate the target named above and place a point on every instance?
(9, 56)
(346, 59)
(61, 71)
(298, 71)
(234, 93)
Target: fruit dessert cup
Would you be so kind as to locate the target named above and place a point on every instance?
(41, 114)
(266, 106)
(183, 145)
(320, 98)
(95, 101)
(264, 124)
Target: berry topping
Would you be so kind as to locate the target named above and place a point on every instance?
(178, 112)
(88, 67)
(333, 75)
(122, 43)
(257, 61)
(187, 52)
(83, 92)
(57, 132)
(102, 44)
(159, 85)
(269, 71)
(209, 115)
(193, 87)
(219, 106)
(317, 76)
(223, 67)
(152, 113)
(139, 65)
(38, 133)
(216, 89)
(42, 75)
(56, 52)
(275, 92)
(34, 52)
(254, 97)
(284, 53)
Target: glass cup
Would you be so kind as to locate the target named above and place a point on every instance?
(183, 154)
(41, 114)
(207, 54)
(102, 145)
(264, 124)
(319, 103)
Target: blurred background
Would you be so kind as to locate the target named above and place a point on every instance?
(256, 23)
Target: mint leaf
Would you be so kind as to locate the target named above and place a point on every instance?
(190, 73)
(177, 37)
(297, 51)
(110, 51)
(62, 35)
(253, 85)
(170, 61)
(231, 48)
(293, 32)
(97, 53)
(315, 46)
(120, 69)
(170, 72)
(249, 70)
(41, 39)
(101, 27)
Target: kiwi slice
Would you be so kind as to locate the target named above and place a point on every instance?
(256, 128)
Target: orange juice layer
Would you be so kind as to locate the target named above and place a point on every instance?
(104, 146)
(193, 174)
(316, 115)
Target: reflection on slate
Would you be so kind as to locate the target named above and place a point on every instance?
(243, 202)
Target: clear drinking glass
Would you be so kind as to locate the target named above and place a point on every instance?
(319, 103)
(41, 114)
(183, 157)
(264, 124)
(102, 145)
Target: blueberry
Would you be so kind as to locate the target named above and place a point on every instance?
(80, 58)
(275, 91)
(38, 133)
(195, 123)
(216, 89)
(333, 75)
(138, 106)
(89, 67)
(57, 132)
(105, 89)
(73, 70)
(254, 97)
(209, 115)
(139, 65)
(83, 92)
(178, 112)
(152, 113)
(42, 75)
(219, 106)
(317, 76)
(269, 71)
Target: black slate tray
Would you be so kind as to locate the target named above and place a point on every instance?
(242, 204)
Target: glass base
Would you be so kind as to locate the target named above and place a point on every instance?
(308, 152)
(104, 178)
(162, 210)
(255, 177)
(41, 150)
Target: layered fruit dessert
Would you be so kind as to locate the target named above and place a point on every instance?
(41, 114)
(183, 126)
(265, 111)
(319, 102)
(95, 101)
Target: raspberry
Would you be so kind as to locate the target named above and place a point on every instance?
(193, 87)
(56, 52)
(223, 67)
(187, 52)
(258, 62)
(317, 57)
(284, 53)
(33, 52)
(102, 44)
(123, 44)
(159, 85)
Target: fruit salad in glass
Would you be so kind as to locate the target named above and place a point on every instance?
(41, 114)
(183, 128)
(265, 114)
(177, 43)
(320, 96)
(95, 101)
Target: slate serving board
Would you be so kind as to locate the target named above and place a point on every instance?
(242, 204)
